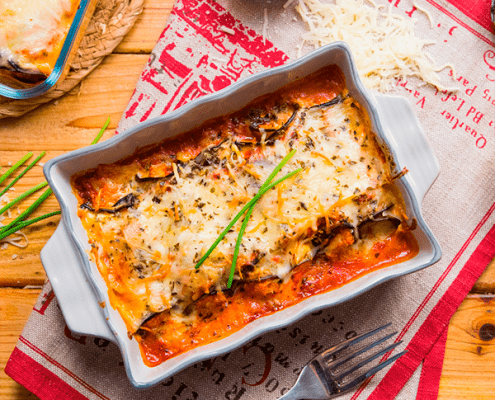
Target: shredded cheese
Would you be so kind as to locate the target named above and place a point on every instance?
(15, 240)
(288, 3)
(426, 13)
(384, 45)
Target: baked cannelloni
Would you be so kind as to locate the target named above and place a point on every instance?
(152, 218)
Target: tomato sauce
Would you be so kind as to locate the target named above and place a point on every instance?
(222, 314)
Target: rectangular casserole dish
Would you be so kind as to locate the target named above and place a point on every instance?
(38, 41)
(78, 284)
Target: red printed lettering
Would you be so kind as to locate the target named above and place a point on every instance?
(456, 123)
(470, 92)
(477, 116)
(421, 102)
(480, 142)
(488, 97)
(410, 13)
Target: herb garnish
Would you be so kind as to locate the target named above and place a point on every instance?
(248, 210)
(19, 223)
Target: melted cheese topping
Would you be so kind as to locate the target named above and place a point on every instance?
(176, 208)
(32, 32)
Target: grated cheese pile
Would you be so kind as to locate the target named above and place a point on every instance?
(384, 45)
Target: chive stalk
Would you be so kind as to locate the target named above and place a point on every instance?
(21, 174)
(23, 196)
(23, 224)
(19, 223)
(241, 213)
(248, 209)
(102, 131)
(15, 166)
(238, 245)
(277, 169)
(28, 211)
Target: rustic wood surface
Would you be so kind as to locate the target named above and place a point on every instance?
(74, 120)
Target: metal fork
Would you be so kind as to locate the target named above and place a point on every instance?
(321, 378)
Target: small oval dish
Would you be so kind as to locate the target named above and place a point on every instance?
(26, 72)
(80, 288)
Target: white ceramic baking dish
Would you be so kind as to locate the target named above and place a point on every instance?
(81, 290)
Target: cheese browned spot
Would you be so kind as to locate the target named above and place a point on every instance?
(152, 216)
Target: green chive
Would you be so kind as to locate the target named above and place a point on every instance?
(241, 213)
(238, 245)
(21, 174)
(277, 169)
(23, 196)
(248, 215)
(19, 222)
(102, 131)
(23, 224)
(15, 166)
(28, 211)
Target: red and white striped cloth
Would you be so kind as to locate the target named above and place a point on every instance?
(206, 46)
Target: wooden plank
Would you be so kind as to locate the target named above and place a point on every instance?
(71, 123)
(486, 282)
(468, 371)
(15, 307)
(148, 28)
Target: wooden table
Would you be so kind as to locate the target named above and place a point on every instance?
(74, 120)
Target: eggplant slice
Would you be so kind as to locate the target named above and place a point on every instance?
(153, 178)
(336, 100)
(125, 202)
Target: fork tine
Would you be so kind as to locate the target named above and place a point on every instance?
(366, 361)
(360, 351)
(356, 339)
(370, 373)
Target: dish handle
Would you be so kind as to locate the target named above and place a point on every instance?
(80, 309)
(408, 139)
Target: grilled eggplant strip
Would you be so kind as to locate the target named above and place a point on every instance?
(286, 124)
(153, 178)
(209, 157)
(125, 202)
(337, 100)
(255, 120)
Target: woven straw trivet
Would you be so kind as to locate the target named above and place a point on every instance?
(108, 26)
